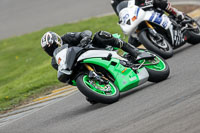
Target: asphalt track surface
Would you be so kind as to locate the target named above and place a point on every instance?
(171, 106)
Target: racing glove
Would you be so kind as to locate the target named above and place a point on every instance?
(85, 41)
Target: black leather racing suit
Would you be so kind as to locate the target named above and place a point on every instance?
(73, 39)
(101, 39)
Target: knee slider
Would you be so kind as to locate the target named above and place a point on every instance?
(102, 39)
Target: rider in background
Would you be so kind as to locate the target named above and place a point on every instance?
(146, 5)
(51, 41)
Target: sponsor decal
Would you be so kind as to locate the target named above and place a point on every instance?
(124, 70)
(125, 18)
(133, 78)
(124, 82)
(59, 60)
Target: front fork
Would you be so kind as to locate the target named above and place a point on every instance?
(149, 25)
(153, 32)
(89, 67)
(92, 74)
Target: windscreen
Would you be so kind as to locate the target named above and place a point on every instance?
(122, 5)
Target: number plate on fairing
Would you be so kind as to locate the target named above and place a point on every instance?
(160, 19)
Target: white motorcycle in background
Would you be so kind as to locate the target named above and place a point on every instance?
(157, 30)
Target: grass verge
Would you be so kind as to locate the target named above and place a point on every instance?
(25, 68)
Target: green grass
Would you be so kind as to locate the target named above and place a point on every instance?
(25, 70)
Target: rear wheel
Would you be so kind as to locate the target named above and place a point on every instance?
(159, 70)
(93, 90)
(194, 34)
(160, 47)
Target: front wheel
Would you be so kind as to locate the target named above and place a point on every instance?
(93, 90)
(160, 47)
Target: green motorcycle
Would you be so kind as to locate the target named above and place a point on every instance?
(102, 74)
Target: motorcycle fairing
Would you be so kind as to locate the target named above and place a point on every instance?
(99, 53)
(132, 16)
(125, 78)
(65, 58)
(157, 18)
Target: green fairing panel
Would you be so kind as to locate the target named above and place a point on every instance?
(125, 78)
(158, 67)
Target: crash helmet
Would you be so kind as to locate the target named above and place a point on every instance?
(50, 41)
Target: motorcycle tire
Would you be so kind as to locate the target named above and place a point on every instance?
(150, 45)
(194, 36)
(91, 101)
(89, 88)
(158, 72)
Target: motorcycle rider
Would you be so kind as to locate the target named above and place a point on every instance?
(145, 5)
(51, 41)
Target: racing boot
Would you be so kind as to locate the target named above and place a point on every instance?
(134, 41)
(103, 39)
(175, 12)
(127, 47)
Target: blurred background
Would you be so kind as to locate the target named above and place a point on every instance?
(18, 17)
